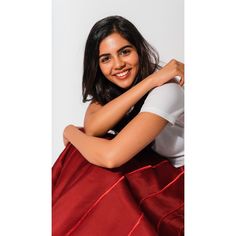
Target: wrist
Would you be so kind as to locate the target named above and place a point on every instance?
(154, 80)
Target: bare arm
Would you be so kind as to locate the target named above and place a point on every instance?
(113, 153)
(99, 119)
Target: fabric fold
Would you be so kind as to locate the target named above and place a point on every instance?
(143, 197)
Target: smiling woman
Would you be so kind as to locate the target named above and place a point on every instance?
(118, 60)
(98, 174)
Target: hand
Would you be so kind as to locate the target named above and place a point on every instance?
(65, 139)
(171, 70)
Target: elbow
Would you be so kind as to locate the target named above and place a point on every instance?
(91, 132)
(111, 165)
(110, 160)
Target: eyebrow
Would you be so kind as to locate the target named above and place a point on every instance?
(107, 54)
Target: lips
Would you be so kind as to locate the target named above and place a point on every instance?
(122, 75)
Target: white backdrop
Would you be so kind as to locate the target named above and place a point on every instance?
(160, 21)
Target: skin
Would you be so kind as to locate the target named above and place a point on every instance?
(99, 119)
(118, 57)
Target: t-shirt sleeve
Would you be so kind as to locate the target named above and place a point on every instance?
(166, 101)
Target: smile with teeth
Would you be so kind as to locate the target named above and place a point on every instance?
(122, 74)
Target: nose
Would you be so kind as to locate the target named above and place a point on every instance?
(118, 63)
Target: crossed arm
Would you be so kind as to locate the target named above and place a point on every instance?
(99, 119)
(136, 135)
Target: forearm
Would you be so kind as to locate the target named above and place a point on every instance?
(110, 114)
(114, 153)
(95, 150)
(106, 117)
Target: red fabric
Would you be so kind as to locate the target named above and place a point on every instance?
(143, 197)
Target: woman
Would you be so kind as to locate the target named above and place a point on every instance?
(123, 80)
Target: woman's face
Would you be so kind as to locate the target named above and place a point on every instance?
(118, 60)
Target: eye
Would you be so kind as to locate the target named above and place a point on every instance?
(104, 59)
(125, 52)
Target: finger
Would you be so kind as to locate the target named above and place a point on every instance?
(181, 81)
(178, 78)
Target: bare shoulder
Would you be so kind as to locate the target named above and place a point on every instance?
(92, 108)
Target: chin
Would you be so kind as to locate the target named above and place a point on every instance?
(124, 86)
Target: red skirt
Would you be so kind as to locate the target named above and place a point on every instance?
(144, 197)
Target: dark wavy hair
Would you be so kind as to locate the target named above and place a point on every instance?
(95, 86)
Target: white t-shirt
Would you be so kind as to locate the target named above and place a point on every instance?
(167, 101)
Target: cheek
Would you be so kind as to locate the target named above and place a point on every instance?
(103, 69)
(135, 60)
(136, 64)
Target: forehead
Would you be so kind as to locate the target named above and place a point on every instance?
(112, 43)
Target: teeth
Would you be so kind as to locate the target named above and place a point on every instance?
(122, 74)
